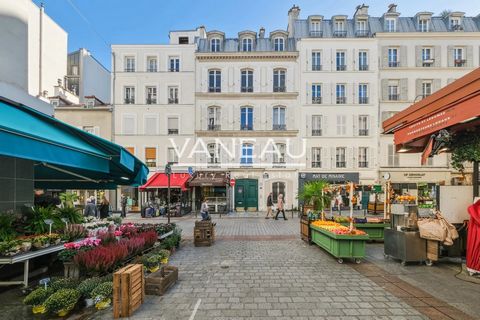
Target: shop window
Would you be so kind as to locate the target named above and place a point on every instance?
(278, 188)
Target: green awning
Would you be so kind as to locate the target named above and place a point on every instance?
(65, 157)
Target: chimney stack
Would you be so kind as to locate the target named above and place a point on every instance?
(293, 15)
(261, 33)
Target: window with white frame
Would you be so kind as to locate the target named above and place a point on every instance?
(459, 60)
(151, 95)
(339, 29)
(363, 157)
(172, 125)
(279, 153)
(341, 157)
(315, 28)
(128, 124)
(393, 57)
(246, 80)
(279, 118)
(246, 118)
(213, 153)
(317, 125)
(172, 95)
(363, 125)
(455, 23)
(152, 64)
(214, 116)
(247, 44)
(89, 129)
(316, 157)
(340, 93)
(215, 45)
(129, 64)
(426, 88)
(341, 125)
(174, 64)
(341, 61)
(391, 25)
(316, 61)
(129, 95)
(214, 81)
(316, 93)
(247, 154)
(277, 188)
(363, 93)
(363, 60)
(279, 44)
(393, 92)
(150, 123)
(427, 60)
(279, 80)
(423, 25)
(393, 158)
(361, 25)
(172, 155)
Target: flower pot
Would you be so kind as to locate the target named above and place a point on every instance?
(63, 313)
(103, 304)
(37, 245)
(26, 246)
(164, 261)
(38, 309)
(89, 302)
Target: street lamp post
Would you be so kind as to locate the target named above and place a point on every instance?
(168, 172)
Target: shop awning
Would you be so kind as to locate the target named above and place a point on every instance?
(454, 107)
(206, 179)
(65, 157)
(159, 180)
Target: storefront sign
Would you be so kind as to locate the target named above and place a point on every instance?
(329, 177)
(419, 176)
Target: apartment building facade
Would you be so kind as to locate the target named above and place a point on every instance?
(274, 111)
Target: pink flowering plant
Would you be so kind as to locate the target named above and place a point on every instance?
(73, 248)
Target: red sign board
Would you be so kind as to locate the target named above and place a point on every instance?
(440, 120)
(232, 182)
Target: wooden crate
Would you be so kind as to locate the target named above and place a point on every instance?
(432, 250)
(203, 234)
(157, 283)
(128, 290)
(71, 270)
(305, 230)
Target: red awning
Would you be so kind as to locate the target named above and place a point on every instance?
(160, 180)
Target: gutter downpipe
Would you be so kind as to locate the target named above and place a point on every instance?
(40, 51)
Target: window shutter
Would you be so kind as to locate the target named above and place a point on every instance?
(371, 126)
(173, 123)
(403, 56)
(333, 155)
(469, 62)
(308, 123)
(418, 56)
(371, 157)
(450, 59)
(437, 84)
(150, 126)
(355, 125)
(150, 153)
(325, 126)
(384, 89)
(384, 57)
(349, 156)
(418, 88)
(404, 89)
(437, 51)
(354, 157)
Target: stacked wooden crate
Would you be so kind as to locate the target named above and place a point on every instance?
(128, 290)
(203, 233)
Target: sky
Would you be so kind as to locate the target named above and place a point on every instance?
(149, 21)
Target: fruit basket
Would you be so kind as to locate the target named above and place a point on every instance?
(339, 241)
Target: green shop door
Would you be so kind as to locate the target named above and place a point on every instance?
(246, 194)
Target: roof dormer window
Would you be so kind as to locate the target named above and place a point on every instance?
(315, 28)
(361, 28)
(391, 24)
(90, 103)
(215, 45)
(247, 44)
(423, 25)
(456, 23)
(339, 29)
(279, 44)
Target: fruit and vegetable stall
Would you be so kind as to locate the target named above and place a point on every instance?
(373, 226)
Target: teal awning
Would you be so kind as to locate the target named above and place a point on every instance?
(65, 157)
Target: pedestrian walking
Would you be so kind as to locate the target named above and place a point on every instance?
(204, 210)
(339, 200)
(280, 207)
(269, 206)
(123, 204)
(90, 209)
(104, 208)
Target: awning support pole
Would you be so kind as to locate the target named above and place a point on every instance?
(475, 178)
(68, 172)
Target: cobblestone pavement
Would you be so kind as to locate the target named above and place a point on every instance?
(275, 279)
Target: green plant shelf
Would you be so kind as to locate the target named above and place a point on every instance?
(374, 230)
(340, 246)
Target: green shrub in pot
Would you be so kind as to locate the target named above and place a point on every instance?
(62, 301)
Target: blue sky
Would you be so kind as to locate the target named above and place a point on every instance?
(148, 21)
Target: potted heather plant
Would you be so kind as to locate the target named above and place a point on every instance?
(37, 298)
(62, 301)
(102, 295)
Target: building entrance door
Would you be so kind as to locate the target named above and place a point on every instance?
(246, 194)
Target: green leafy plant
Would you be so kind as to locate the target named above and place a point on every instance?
(312, 194)
(35, 223)
(7, 231)
(38, 296)
(68, 199)
(62, 300)
(117, 220)
(86, 286)
(102, 291)
(465, 147)
(64, 283)
(151, 261)
(73, 215)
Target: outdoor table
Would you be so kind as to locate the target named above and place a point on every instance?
(25, 258)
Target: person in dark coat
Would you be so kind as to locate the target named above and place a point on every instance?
(104, 208)
(269, 206)
(90, 209)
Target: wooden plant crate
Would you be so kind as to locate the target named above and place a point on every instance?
(340, 246)
(128, 290)
(305, 229)
(376, 231)
(70, 270)
(157, 283)
(203, 234)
